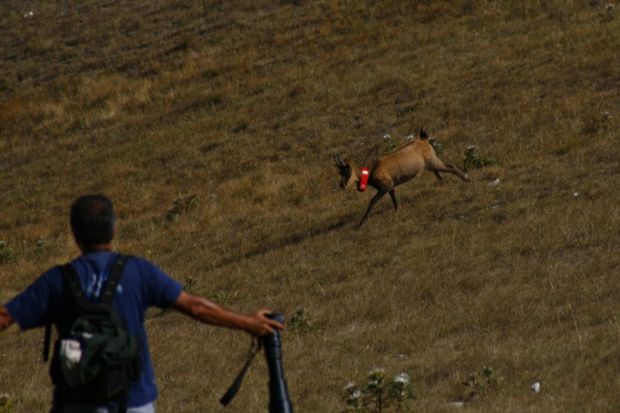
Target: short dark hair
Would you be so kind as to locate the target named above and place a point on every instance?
(92, 220)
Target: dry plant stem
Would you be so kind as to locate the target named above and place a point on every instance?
(572, 314)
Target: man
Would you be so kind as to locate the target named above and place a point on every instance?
(142, 285)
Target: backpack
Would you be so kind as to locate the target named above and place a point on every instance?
(96, 362)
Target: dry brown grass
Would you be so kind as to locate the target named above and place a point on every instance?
(243, 105)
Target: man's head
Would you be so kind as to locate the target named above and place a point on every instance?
(92, 221)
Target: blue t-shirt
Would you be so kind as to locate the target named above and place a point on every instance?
(142, 285)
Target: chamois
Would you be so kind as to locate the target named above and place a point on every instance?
(394, 169)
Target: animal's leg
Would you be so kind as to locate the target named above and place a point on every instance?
(458, 173)
(372, 203)
(394, 201)
(441, 167)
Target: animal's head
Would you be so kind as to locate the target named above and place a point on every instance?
(348, 177)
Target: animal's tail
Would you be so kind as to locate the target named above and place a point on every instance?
(423, 134)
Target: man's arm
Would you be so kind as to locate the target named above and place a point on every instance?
(5, 318)
(208, 312)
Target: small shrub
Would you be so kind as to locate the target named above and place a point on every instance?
(6, 404)
(4, 86)
(479, 383)
(180, 206)
(390, 143)
(191, 285)
(7, 254)
(595, 122)
(300, 322)
(379, 394)
(475, 161)
(437, 146)
(44, 248)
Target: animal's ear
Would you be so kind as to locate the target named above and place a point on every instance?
(340, 164)
(338, 161)
(423, 134)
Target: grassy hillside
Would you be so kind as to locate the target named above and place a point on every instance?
(212, 126)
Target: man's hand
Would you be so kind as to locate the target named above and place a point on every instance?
(5, 318)
(260, 325)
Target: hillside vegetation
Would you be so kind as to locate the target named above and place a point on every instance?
(212, 125)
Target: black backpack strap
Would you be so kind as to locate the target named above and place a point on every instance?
(73, 282)
(115, 276)
(47, 338)
(71, 279)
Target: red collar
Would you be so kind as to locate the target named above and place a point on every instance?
(363, 180)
